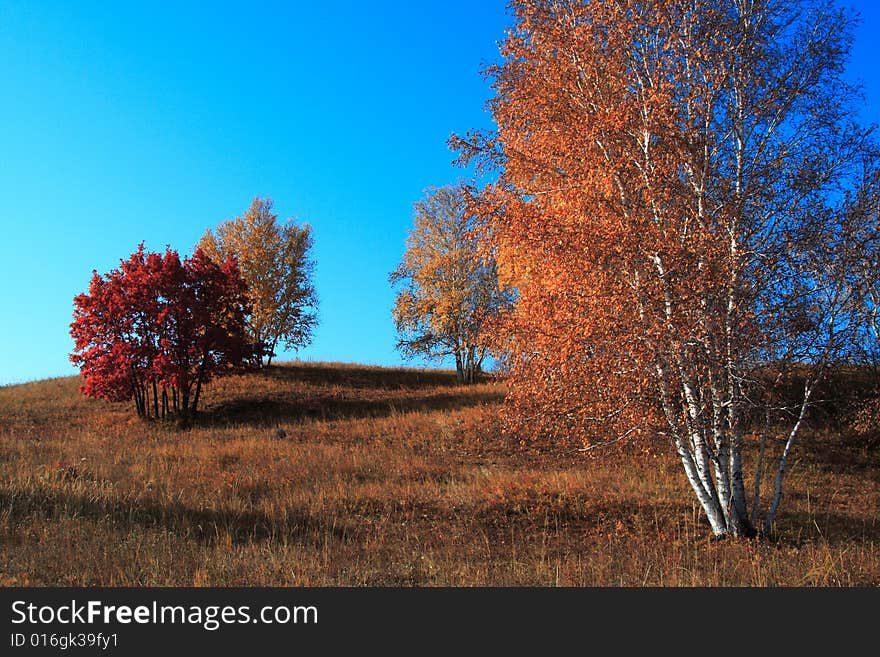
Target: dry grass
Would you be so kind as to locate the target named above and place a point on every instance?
(347, 475)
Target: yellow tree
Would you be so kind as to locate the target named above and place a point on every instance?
(669, 179)
(448, 292)
(275, 262)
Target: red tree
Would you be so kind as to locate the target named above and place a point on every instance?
(157, 329)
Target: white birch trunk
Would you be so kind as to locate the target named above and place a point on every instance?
(708, 501)
(740, 512)
(780, 473)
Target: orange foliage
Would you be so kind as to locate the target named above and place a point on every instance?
(664, 190)
(591, 220)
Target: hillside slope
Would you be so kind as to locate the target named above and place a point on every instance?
(352, 475)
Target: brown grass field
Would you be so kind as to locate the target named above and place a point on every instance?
(327, 474)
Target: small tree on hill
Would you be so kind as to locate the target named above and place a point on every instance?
(275, 261)
(157, 329)
(448, 292)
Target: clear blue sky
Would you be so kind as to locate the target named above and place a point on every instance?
(123, 122)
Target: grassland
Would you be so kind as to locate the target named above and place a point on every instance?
(348, 475)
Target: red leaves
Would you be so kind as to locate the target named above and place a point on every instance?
(156, 329)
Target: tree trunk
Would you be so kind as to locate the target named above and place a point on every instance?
(741, 524)
(201, 376)
(184, 406)
(139, 401)
(479, 368)
(195, 405)
(271, 353)
(709, 502)
(155, 399)
(780, 473)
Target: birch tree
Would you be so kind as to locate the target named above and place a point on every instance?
(448, 293)
(275, 261)
(667, 173)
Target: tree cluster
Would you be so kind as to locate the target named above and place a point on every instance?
(158, 328)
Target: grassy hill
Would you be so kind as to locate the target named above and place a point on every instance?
(349, 475)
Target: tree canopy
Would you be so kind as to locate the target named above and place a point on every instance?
(157, 329)
(448, 292)
(275, 262)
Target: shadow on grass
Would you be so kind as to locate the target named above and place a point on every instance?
(843, 454)
(579, 516)
(262, 412)
(207, 526)
(354, 376)
(832, 527)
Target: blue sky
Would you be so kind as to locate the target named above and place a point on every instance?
(123, 122)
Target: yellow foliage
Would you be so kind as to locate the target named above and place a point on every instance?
(449, 291)
(274, 260)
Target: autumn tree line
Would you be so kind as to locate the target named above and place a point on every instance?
(680, 222)
(158, 328)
